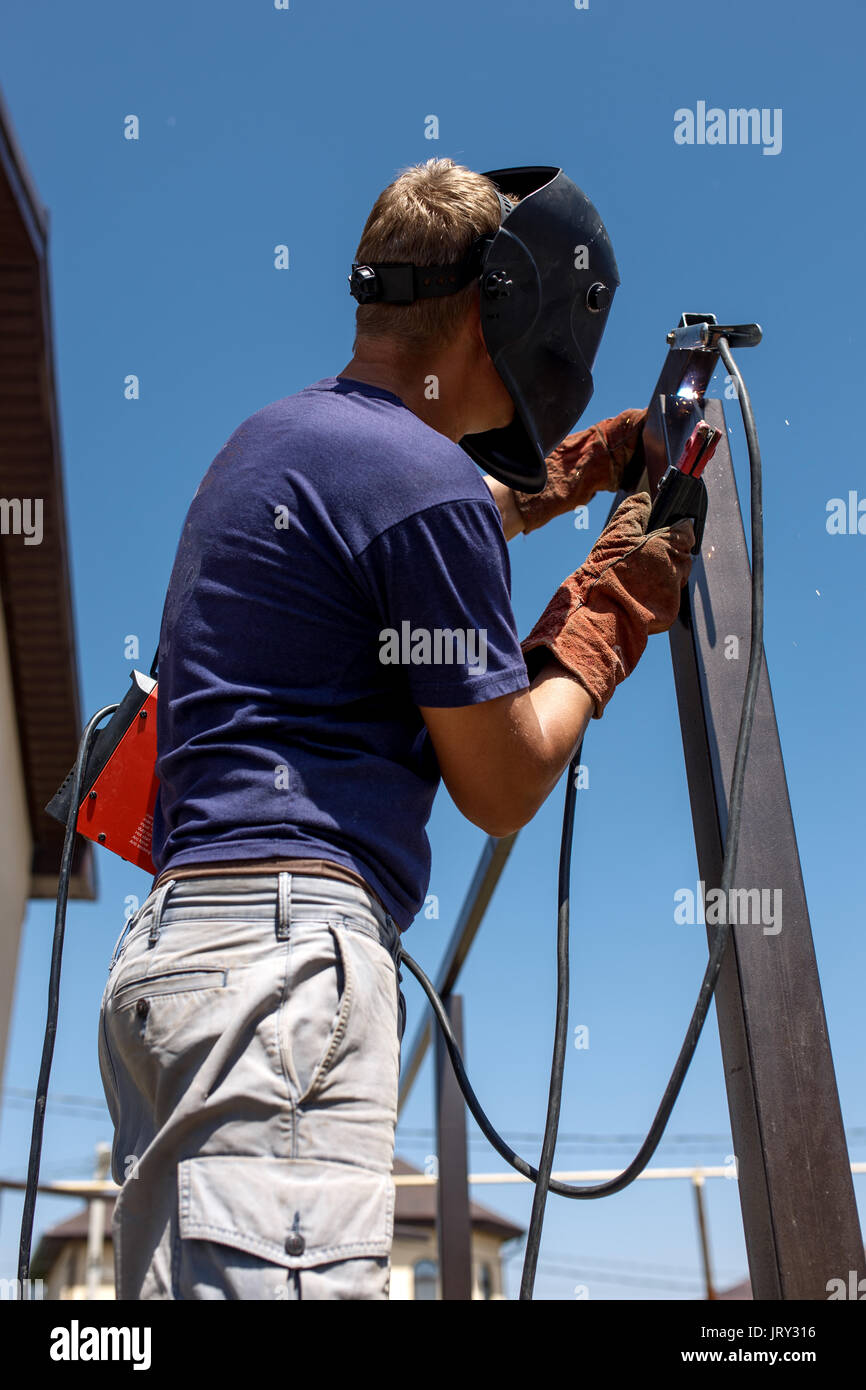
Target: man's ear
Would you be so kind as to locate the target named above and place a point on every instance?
(475, 329)
(475, 317)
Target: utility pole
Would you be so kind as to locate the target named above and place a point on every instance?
(96, 1225)
(698, 1189)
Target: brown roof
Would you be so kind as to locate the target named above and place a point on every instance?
(53, 1240)
(76, 1225)
(35, 579)
(743, 1290)
(416, 1206)
(737, 1291)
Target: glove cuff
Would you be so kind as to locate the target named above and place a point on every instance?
(585, 463)
(600, 646)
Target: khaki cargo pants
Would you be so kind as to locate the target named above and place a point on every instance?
(249, 1045)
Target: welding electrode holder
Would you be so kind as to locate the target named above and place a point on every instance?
(680, 497)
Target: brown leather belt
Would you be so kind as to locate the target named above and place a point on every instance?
(315, 868)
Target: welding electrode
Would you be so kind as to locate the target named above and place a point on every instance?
(682, 494)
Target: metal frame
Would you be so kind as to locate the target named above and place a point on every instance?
(493, 858)
(797, 1196)
(453, 1223)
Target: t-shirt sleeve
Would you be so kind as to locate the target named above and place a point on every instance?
(441, 584)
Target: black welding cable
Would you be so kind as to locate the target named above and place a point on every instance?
(560, 1036)
(26, 1238)
(722, 933)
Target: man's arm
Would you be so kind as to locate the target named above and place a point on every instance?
(512, 523)
(501, 759)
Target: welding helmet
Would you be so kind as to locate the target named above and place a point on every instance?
(547, 278)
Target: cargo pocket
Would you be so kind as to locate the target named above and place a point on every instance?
(271, 1228)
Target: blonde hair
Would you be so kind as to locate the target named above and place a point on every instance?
(429, 215)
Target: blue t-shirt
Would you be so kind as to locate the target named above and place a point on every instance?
(341, 564)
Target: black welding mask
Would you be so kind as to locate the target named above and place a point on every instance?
(547, 278)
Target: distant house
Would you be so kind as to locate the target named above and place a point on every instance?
(414, 1260)
(60, 1258)
(40, 714)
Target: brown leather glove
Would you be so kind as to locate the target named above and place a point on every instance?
(583, 464)
(599, 619)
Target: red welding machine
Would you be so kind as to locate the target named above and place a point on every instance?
(120, 783)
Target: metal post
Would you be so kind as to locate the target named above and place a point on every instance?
(453, 1226)
(698, 1189)
(492, 861)
(796, 1192)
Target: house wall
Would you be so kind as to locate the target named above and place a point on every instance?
(67, 1278)
(407, 1251)
(16, 846)
(487, 1250)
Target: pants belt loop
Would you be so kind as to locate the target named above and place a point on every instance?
(395, 946)
(156, 919)
(284, 904)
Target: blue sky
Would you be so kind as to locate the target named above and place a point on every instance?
(260, 127)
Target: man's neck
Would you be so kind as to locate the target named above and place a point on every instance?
(428, 387)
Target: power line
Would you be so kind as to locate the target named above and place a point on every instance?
(635, 1266)
(603, 1277)
(24, 1094)
(83, 1109)
(93, 1108)
(858, 1132)
(573, 1141)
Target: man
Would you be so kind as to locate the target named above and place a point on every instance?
(337, 635)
